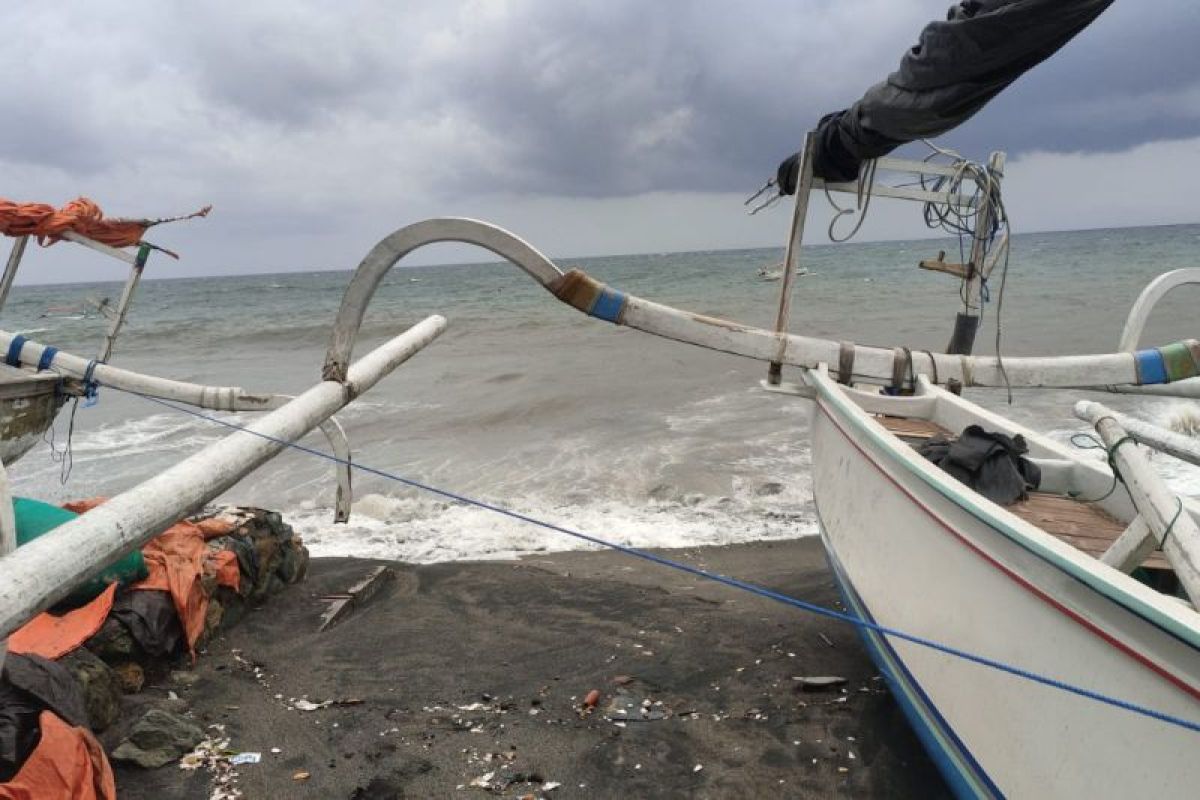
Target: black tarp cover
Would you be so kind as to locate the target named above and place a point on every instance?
(954, 69)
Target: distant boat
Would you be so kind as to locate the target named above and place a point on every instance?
(775, 271)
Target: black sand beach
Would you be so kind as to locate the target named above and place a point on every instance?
(467, 680)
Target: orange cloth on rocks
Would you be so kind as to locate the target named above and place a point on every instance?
(175, 560)
(51, 636)
(67, 764)
(224, 565)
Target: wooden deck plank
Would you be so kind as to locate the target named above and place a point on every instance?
(1085, 526)
(911, 428)
(1082, 525)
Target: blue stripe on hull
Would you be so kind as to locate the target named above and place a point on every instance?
(962, 772)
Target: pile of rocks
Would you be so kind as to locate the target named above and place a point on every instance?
(142, 640)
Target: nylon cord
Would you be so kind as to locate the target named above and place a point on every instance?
(735, 583)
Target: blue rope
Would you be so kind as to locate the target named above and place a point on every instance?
(91, 388)
(13, 357)
(48, 354)
(716, 577)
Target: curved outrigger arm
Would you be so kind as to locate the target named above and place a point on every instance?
(898, 367)
(216, 398)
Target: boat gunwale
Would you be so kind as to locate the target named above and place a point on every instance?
(1145, 603)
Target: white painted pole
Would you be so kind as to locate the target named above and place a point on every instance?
(1165, 517)
(11, 267)
(1114, 371)
(131, 283)
(1185, 448)
(44, 571)
(791, 258)
(218, 398)
(8, 521)
(99, 247)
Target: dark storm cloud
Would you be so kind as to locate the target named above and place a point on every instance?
(585, 99)
(340, 120)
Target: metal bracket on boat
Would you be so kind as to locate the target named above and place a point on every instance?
(789, 388)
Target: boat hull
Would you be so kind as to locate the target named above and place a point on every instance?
(915, 551)
(28, 405)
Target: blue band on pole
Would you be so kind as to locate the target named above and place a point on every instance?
(13, 359)
(1150, 367)
(48, 355)
(608, 305)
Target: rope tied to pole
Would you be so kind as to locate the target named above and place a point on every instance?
(1092, 443)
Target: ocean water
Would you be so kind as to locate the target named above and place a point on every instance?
(528, 404)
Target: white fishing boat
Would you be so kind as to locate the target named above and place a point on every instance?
(1025, 654)
(1051, 668)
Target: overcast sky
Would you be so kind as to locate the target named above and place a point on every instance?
(589, 127)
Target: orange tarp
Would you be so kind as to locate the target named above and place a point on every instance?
(81, 215)
(176, 561)
(51, 637)
(224, 565)
(67, 764)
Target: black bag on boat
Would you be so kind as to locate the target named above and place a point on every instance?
(990, 463)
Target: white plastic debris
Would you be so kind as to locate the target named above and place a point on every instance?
(484, 781)
(308, 705)
(245, 758)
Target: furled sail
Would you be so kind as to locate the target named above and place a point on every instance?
(955, 68)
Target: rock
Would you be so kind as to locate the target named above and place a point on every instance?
(130, 676)
(113, 643)
(293, 562)
(818, 683)
(379, 788)
(267, 554)
(768, 489)
(233, 606)
(184, 677)
(212, 618)
(100, 685)
(157, 739)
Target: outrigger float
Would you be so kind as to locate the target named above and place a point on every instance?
(1043, 584)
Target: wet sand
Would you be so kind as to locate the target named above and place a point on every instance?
(466, 669)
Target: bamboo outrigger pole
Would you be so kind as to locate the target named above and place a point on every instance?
(1161, 520)
(1170, 366)
(40, 573)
